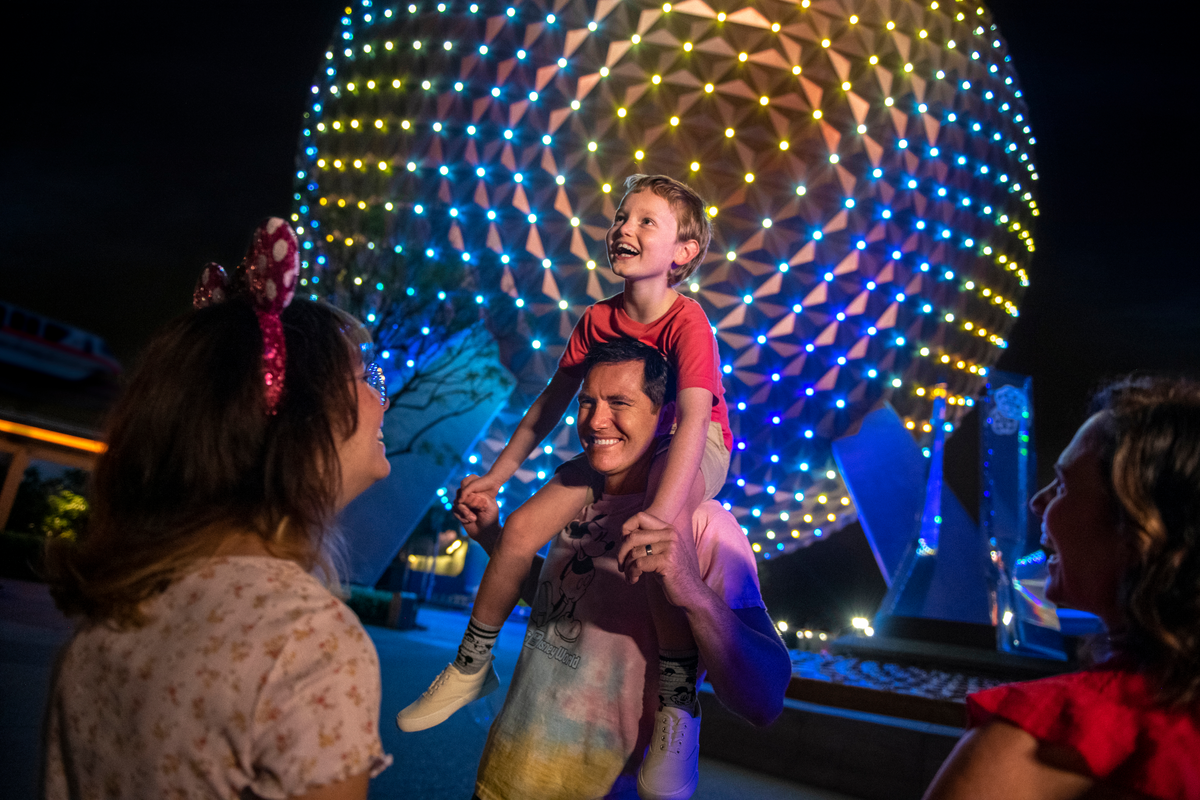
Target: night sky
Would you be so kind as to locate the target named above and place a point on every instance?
(140, 141)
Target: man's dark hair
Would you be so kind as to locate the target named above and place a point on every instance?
(658, 379)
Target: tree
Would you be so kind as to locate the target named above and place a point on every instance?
(431, 336)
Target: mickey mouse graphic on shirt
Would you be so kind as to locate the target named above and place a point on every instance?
(591, 541)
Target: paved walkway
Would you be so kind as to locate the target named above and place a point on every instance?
(438, 764)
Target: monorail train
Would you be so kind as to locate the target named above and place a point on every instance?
(45, 345)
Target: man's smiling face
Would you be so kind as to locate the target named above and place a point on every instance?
(616, 425)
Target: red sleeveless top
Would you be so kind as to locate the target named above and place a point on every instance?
(1107, 715)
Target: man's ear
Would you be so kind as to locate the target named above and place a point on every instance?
(686, 251)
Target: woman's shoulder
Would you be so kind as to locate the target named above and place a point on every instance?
(1108, 716)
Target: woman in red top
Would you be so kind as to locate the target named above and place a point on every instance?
(1121, 527)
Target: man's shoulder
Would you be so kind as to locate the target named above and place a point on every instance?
(727, 560)
(712, 516)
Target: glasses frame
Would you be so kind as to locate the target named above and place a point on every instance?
(375, 379)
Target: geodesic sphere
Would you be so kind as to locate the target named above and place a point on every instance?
(867, 165)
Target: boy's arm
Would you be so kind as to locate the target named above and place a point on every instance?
(535, 426)
(694, 410)
(484, 528)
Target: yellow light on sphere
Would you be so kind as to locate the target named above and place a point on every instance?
(489, 142)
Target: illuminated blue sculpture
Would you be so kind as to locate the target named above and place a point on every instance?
(869, 169)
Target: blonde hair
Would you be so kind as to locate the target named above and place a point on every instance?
(691, 216)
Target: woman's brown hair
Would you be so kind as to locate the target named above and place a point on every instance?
(1152, 454)
(193, 456)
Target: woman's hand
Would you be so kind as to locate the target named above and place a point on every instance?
(480, 518)
(473, 484)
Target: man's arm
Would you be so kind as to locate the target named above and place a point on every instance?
(748, 665)
(484, 528)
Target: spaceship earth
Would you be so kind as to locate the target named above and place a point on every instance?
(868, 166)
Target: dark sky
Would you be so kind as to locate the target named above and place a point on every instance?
(141, 141)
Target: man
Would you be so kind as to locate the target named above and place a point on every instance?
(581, 708)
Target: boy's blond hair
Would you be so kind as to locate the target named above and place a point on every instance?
(691, 216)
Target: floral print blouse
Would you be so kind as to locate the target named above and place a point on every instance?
(250, 677)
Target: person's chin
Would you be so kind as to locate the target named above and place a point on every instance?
(602, 461)
(383, 467)
(1053, 592)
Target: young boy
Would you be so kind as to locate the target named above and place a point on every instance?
(658, 238)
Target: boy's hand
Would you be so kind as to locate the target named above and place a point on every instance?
(480, 518)
(672, 557)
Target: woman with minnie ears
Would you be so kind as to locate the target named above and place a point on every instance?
(208, 660)
(1121, 526)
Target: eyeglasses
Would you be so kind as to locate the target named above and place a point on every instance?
(374, 375)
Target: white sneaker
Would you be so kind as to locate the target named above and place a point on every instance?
(449, 692)
(671, 769)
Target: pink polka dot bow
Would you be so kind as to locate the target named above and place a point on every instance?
(267, 276)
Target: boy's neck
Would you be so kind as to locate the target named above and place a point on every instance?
(647, 300)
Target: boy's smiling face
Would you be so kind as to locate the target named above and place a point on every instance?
(643, 239)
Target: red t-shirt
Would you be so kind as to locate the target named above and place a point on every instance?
(1107, 715)
(683, 335)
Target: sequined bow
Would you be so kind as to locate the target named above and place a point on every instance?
(267, 276)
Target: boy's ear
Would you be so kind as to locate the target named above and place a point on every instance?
(686, 251)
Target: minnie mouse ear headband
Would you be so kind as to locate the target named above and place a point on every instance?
(267, 277)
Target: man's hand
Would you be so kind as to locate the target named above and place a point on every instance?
(480, 518)
(473, 484)
(671, 558)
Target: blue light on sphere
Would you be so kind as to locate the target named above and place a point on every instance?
(861, 166)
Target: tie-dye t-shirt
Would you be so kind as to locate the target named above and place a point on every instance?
(250, 677)
(581, 705)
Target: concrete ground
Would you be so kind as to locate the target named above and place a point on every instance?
(438, 764)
